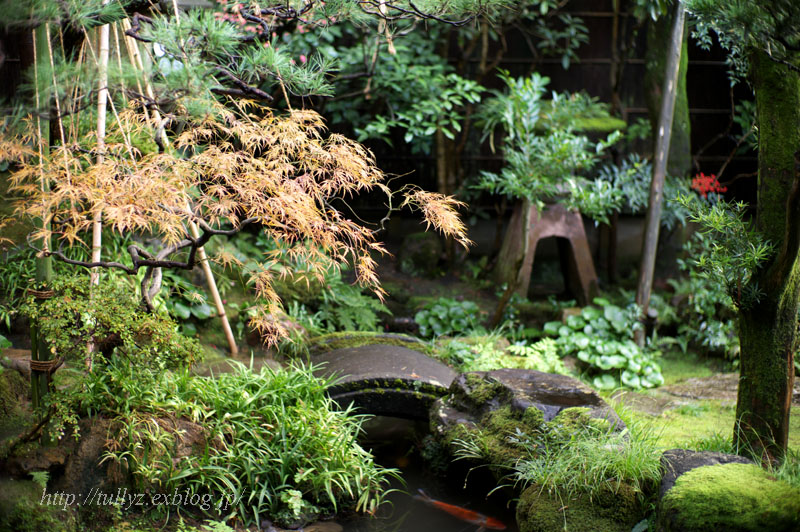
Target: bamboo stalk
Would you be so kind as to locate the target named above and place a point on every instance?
(40, 381)
(118, 54)
(201, 252)
(212, 287)
(102, 98)
(133, 51)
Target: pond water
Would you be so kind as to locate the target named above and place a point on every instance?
(397, 443)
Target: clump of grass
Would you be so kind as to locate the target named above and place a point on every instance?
(275, 445)
(789, 469)
(593, 459)
(717, 442)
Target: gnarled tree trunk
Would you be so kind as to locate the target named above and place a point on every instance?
(768, 328)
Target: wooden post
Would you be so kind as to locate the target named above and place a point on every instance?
(653, 219)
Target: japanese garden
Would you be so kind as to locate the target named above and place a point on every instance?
(399, 265)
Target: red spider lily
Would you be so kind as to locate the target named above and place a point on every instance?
(705, 184)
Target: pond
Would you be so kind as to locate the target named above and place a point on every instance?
(398, 443)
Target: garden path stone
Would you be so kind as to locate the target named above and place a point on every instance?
(387, 380)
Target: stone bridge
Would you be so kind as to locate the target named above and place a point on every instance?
(385, 380)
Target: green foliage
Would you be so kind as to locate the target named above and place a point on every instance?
(320, 304)
(544, 155)
(111, 319)
(18, 269)
(730, 250)
(338, 306)
(574, 454)
(743, 26)
(630, 182)
(274, 444)
(485, 354)
(41, 478)
(435, 101)
(602, 339)
(345, 307)
(446, 316)
(703, 314)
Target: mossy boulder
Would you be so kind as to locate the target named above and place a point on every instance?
(490, 408)
(25, 507)
(734, 497)
(419, 254)
(616, 510)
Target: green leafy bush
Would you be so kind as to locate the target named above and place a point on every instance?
(729, 250)
(544, 153)
(602, 339)
(446, 316)
(631, 180)
(111, 318)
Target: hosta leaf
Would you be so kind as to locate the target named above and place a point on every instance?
(605, 382)
(631, 379)
(551, 327)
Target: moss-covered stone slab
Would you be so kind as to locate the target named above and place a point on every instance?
(609, 511)
(387, 380)
(489, 408)
(345, 339)
(733, 497)
(479, 392)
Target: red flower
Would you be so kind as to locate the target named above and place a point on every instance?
(704, 184)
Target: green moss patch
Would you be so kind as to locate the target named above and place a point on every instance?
(349, 339)
(731, 497)
(608, 511)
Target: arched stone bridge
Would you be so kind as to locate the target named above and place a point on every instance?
(386, 380)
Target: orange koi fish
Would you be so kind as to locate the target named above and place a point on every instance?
(470, 516)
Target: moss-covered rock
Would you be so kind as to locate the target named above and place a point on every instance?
(491, 410)
(732, 497)
(25, 507)
(606, 511)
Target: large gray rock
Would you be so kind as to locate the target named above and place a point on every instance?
(486, 407)
(477, 393)
(387, 380)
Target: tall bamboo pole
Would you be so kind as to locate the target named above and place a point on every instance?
(40, 381)
(653, 219)
(102, 98)
(133, 49)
